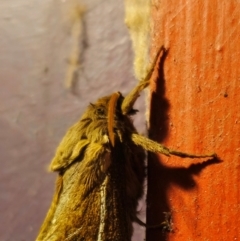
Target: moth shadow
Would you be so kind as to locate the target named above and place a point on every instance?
(158, 186)
(183, 177)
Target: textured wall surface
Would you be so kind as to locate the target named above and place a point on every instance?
(197, 94)
(36, 108)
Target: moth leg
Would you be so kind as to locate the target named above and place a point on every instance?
(62, 160)
(165, 225)
(130, 99)
(155, 147)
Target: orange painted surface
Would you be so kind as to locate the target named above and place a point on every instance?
(195, 107)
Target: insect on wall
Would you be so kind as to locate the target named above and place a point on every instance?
(100, 161)
(101, 170)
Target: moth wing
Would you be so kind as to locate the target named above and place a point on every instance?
(71, 147)
(75, 210)
(97, 160)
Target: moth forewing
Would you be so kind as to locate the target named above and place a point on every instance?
(66, 154)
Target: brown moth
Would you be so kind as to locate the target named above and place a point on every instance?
(101, 169)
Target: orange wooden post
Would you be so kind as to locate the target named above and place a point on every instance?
(195, 107)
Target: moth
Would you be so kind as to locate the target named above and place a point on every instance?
(101, 171)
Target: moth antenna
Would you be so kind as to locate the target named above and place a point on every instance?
(130, 99)
(111, 113)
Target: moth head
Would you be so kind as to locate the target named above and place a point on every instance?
(97, 111)
(106, 113)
